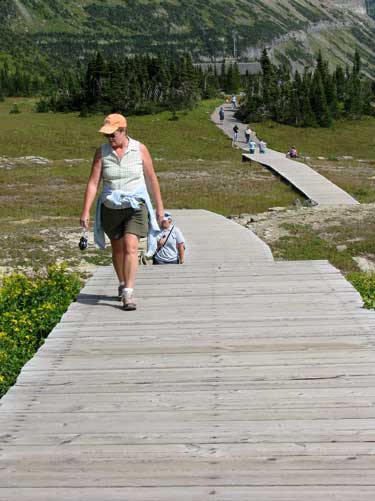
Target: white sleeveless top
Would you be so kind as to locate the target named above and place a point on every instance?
(126, 174)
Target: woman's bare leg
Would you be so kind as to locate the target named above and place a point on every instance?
(118, 258)
(130, 263)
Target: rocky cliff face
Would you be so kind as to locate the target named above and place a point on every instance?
(356, 6)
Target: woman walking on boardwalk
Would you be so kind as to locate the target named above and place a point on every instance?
(124, 209)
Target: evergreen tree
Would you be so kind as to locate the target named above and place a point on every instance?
(308, 116)
(353, 101)
(340, 81)
(209, 83)
(319, 101)
(115, 92)
(295, 116)
(96, 73)
(223, 76)
(236, 82)
(312, 100)
(281, 106)
(357, 63)
(232, 80)
(367, 98)
(228, 84)
(268, 81)
(331, 95)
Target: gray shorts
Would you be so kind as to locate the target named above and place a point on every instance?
(117, 222)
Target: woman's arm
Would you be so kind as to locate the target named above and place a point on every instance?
(152, 182)
(91, 188)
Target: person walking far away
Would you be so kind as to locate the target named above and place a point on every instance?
(251, 147)
(124, 210)
(247, 134)
(235, 134)
(262, 146)
(234, 102)
(221, 114)
(171, 243)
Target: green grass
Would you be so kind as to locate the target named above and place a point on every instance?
(304, 243)
(365, 284)
(188, 146)
(345, 139)
(354, 138)
(66, 135)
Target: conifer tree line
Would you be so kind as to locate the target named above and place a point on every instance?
(18, 82)
(132, 85)
(147, 84)
(312, 99)
(138, 84)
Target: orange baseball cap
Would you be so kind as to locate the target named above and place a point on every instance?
(112, 123)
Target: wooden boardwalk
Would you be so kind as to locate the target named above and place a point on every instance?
(238, 378)
(310, 183)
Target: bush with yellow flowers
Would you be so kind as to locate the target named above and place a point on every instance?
(365, 285)
(30, 306)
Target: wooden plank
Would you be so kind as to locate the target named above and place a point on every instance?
(197, 434)
(219, 375)
(244, 399)
(217, 492)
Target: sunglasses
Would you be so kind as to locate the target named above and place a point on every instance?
(111, 135)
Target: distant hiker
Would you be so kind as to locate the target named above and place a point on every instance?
(221, 114)
(235, 133)
(247, 134)
(234, 102)
(292, 153)
(124, 209)
(262, 146)
(251, 147)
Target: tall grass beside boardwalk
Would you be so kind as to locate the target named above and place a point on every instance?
(345, 138)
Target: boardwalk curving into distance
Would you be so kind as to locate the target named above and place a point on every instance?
(238, 378)
(307, 181)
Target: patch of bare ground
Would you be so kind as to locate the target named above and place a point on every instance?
(343, 234)
(29, 244)
(356, 176)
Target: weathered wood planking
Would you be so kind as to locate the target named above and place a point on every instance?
(237, 378)
(307, 181)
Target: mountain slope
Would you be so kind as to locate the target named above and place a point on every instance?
(65, 31)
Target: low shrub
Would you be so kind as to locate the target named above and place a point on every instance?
(365, 285)
(29, 309)
(15, 110)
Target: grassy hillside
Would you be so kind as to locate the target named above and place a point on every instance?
(70, 30)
